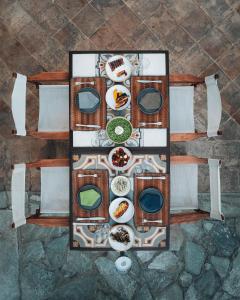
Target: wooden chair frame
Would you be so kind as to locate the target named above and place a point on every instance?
(38, 219)
(186, 80)
(198, 214)
(46, 78)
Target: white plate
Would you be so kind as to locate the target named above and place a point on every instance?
(120, 246)
(120, 168)
(110, 100)
(127, 216)
(113, 74)
(118, 193)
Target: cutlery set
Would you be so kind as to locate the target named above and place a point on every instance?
(87, 175)
(151, 177)
(88, 125)
(149, 81)
(149, 123)
(87, 82)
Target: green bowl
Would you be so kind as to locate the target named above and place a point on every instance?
(119, 130)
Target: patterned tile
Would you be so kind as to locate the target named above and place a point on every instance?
(107, 8)
(106, 38)
(52, 19)
(215, 43)
(82, 20)
(71, 7)
(231, 62)
(143, 9)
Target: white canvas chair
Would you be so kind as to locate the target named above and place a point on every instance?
(184, 189)
(54, 206)
(182, 107)
(53, 122)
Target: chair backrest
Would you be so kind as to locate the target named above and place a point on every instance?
(53, 108)
(181, 109)
(184, 186)
(214, 106)
(19, 104)
(54, 190)
(18, 194)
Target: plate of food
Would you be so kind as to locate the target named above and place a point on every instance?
(120, 158)
(121, 237)
(119, 130)
(121, 210)
(118, 68)
(118, 97)
(120, 186)
(89, 197)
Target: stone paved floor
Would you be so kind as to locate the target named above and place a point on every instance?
(203, 36)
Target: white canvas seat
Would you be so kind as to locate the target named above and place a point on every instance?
(184, 188)
(53, 107)
(54, 192)
(182, 112)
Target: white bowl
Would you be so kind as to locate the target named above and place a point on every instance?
(110, 99)
(117, 192)
(113, 74)
(127, 216)
(121, 246)
(120, 168)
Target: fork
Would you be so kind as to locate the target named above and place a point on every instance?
(87, 82)
(152, 221)
(87, 175)
(149, 81)
(149, 123)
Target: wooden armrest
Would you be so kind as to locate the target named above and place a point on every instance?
(185, 79)
(56, 162)
(187, 159)
(49, 76)
(179, 137)
(188, 217)
(49, 221)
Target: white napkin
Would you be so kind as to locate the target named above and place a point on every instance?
(84, 138)
(83, 65)
(153, 64)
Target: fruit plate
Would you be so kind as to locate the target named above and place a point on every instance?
(112, 94)
(119, 130)
(127, 215)
(117, 65)
(118, 246)
(120, 151)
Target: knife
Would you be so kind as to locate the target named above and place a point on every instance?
(143, 177)
(91, 218)
(149, 81)
(93, 126)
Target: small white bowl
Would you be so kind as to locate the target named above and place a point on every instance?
(121, 246)
(117, 192)
(129, 163)
(127, 216)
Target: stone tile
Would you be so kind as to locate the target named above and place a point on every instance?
(32, 8)
(33, 37)
(52, 19)
(230, 130)
(143, 9)
(161, 22)
(124, 46)
(230, 26)
(217, 10)
(198, 28)
(180, 9)
(5, 72)
(230, 98)
(71, 7)
(230, 180)
(230, 62)
(125, 23)
(223, 80)
(15, 17)
(195, 61)
(82, 20)
(148, 41)
(215, 43)
(106, 38)
(107, 8)
(70, 37)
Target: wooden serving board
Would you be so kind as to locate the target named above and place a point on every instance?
(97, 118)
(102, 183)
(160, 184)
(137, 115)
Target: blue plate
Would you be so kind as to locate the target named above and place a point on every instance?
(89, 187)
(151, 200)
(143, 107)
(89, 97)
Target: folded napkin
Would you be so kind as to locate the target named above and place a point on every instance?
(83, 65)
(153, 64)
(84, 138)
(153, 137)
(89, 197)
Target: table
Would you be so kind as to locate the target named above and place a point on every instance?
(89, 147)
